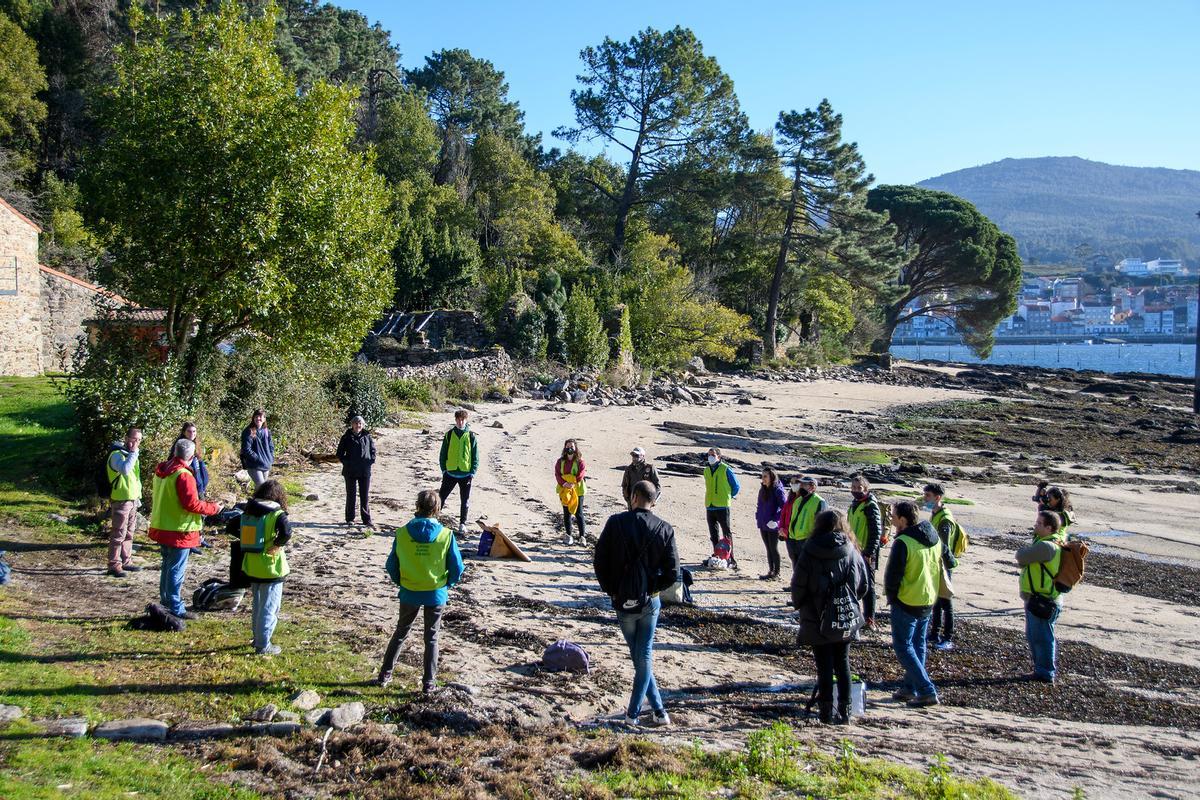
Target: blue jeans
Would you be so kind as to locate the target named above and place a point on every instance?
(267, 597)
(170, 578)
(639, 635)
(1040, 633)
(908, 640)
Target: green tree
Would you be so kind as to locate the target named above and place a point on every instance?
(955, 259)
(231, 200)
(22, 79)
(436, 256)
(586, 342)
(827, 226)
(670, 320)
(658, 98)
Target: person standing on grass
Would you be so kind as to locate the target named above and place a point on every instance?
(123, 469)
(176, 519)
(941, 626)
(914, 571)
(258, 451)
(829, 562)
(867, 522)
(804, 514)
(638, 469)
(459, 459)
(424, 562)
(720, 487)
(199, 469)
(771, 499)
(1040, 562)
(635, 559)
(356, 451)
(263, 528)
(570, 470)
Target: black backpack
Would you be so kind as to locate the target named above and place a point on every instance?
(841, 615)
(104, 487)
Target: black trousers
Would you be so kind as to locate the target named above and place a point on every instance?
(464, 494)
(794, 546)
(833, 659)
(869, 600)
(943, 619)
(363, 487)
(719, 518)
(771, 540)
(578, 516)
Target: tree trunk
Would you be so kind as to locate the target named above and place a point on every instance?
(891, 317)
(617, 247)
(785, 243)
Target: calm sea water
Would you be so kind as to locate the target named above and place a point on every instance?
(1164, 359)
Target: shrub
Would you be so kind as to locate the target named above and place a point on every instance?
(362, 390)
(586, 342)
(411, 393)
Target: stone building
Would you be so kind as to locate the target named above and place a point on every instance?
(42, 311)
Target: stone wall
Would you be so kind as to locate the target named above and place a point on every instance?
(20, 295)
(448, 336)
(493, 369)
(66, 303)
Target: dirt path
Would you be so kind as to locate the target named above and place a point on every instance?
(507, 611)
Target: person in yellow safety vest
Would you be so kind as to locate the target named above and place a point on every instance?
(265, 517)
(720, 487)
(459, 459)
(123, 468)
(570, 469)
(424, 562)
(867, 522)
(804, 512)
(176, 519)
(941, 627)
(911, 582)
(1058, 500)
(1039, 564)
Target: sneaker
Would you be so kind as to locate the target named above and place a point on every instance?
(205, 542)
(922, 700)
(630, 721)
(766, 577)
(269, 650)
(660, 719)
(1038, 678)
(384, 679)
(903, 695)
(188, 615)
(131, 567)
(429, 688)
(117, 573)
(944, 644)
(568, 540)
(462, 529)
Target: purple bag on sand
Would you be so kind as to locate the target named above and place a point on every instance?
(565, 656)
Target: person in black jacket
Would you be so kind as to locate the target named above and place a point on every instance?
(356, 451)
(828, 560)
(635, 560)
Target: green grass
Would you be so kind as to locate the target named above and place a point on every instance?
(949, 501)
(775, 761)
(47, 769)
(854, 455)
(37, 445)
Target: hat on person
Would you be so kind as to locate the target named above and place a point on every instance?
(808, 479)
(637, 451)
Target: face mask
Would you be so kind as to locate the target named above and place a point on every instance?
(570, 451)
(460, 425)
(796, 488)
(712, 460)
(928, 505)
(804, 492)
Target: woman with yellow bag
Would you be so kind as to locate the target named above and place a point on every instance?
(569, 471)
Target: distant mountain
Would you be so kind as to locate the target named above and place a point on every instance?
(1054, 205)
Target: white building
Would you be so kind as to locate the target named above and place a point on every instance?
(1132, 266)
(1097, 314)
(1164, 266)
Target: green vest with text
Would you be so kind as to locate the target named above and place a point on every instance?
(125, 487)
(922, 573)
(265, 566)
(717, 491)
(167, 513)
(422, 564)
(943, 515)
(458, 451)
(1038, 578)
(803, 517)
(859, 522)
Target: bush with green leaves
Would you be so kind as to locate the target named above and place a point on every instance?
(411, 393)
(586, 342)
(361, 389)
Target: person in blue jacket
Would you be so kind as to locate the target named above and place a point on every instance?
(258, 451)
(424, 562)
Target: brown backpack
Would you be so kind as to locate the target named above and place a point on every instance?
(1071, 566)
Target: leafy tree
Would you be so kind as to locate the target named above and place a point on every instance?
(669, 318)
(956, 259)
(662, 101)
(468, 96)
(21, 110)
(407, 143)
(436, 256)
(827, 225)
(231, 200)
(586, 342)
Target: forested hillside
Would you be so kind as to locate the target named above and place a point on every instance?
(1061, 210)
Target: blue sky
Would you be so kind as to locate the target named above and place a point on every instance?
(925, 87)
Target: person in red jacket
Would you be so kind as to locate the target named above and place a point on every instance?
(176, 520)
